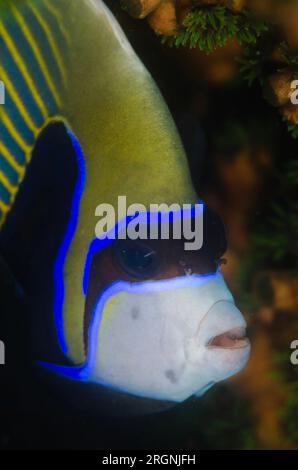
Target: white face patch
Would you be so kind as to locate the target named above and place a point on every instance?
(150, 339)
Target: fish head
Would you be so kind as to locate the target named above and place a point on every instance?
(160, 322)
(165, 325)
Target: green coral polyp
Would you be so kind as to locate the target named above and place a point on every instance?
(209, 28)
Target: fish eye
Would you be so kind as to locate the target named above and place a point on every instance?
(135, 258)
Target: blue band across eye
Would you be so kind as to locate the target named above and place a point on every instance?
(136, 258)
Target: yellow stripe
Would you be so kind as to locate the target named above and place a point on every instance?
(56, 14)
(17, 101)
(23, 69)
(26, 31)
(4, 207)
(13, 132)
(10, 159)
(51, 41)
(7, 184)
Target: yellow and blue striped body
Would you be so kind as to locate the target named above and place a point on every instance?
(33, 44)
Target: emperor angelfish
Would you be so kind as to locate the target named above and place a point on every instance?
(146, 318)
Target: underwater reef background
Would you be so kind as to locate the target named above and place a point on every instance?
(244, 164)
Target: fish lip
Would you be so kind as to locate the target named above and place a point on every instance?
(241, 340)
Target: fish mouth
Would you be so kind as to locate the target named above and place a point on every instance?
(232, 339)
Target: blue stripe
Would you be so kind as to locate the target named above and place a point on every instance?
(70, 231)
(20, 84)
(9, 172)
(11, 145)
(18, 120)
(32, 65)
(41, 38)
(4, 194)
